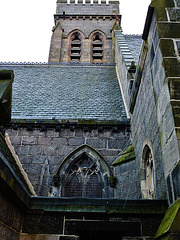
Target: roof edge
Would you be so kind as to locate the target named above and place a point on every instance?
(67, 122)
(147, 23)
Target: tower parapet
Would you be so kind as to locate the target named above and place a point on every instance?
(89, 7)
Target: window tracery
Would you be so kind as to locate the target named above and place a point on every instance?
(83, 179)
(84, 173)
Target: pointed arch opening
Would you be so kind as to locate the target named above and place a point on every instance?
(84, 174)
(83, 179)
(76, 38)
(97, 46)
(75, 47)
(148, 173)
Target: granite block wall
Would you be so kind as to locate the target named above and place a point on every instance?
(145, 130)
(145, 125)
(127, 181)
(155, 118)
(42, 152)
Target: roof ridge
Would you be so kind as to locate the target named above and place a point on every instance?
(58, 63)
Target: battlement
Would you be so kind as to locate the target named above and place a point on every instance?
(88, 1)
(87, 7)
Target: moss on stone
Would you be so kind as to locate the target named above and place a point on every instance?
(167, 48)
(168, 29)
(170, 222)
(176, 111)
(174, 88)
(65, 122)
(162, 3)
(172, 67)
(160, 14)
(126, 156)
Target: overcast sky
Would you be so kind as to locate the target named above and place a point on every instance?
(26, 26)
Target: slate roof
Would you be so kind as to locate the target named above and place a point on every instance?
(134, 43)
(66, 91)
(124, 48)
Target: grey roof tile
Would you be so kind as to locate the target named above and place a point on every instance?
(134, 43)
(66, 91)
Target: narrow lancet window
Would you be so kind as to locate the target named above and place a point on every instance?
(75, 47)
(147, 181)
(97, 49)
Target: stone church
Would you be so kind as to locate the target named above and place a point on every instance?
(89, 142)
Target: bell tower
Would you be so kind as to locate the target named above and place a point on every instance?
(83, 31)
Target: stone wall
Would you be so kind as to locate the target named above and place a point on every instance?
(41, 151)
(61, 42)
(145, 129)
(155, 99)
(10, 219)
(127, 181)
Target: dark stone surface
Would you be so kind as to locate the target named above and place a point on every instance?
(150, 226)
(44, 223)
(69, 238)
(6, 233)
(42, 158)
(104, 228)
(167, 47)
(176, 181)
(178, 46)
(169, 187)
(10, 219)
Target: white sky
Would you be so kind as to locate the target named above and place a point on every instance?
(26, 26)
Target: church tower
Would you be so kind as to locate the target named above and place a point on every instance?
(83, 31)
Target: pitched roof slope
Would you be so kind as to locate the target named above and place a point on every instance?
(66, 91)
(134, 43)
(6, 158)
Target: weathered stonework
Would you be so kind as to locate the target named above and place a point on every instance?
(85, 19)
(121, 163)
(154, 101)
(42, 152)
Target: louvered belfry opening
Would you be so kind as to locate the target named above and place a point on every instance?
(97, 49)
(76, 48)
(83, 179)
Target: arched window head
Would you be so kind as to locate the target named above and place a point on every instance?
(83, 179)
(83, 173)
(97, 48)
(148, 175)
(75, 53)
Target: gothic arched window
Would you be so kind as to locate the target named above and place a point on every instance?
(75, 53)
(147, 179)
(97, 48)
(82, 179)
(84, 173)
